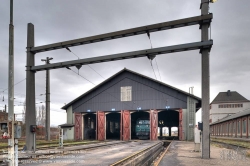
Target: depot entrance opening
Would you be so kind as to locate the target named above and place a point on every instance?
(113, 121)
(168, 122)
(89, 126)
(140, 125)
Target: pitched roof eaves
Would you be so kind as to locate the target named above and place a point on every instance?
(70, 103)
(234, 116)
(125, 69)
(188, 94)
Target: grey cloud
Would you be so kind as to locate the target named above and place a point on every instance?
(62, 20)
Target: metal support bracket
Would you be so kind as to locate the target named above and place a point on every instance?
(205, 47)
(201, 23)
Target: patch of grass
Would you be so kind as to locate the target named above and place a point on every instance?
(217, 145)
(233, 142)
(244, 144)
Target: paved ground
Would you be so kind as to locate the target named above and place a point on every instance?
(181, 153)
(103, 156)
(56, 150)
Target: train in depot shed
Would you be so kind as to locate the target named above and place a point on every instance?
(142, 128)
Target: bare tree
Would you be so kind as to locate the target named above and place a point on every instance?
(24, 110)
(43, 115)
(40, 115)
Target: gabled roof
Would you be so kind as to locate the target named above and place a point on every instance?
(229, 97)
(120, 72)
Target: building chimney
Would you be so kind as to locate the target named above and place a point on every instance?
(228, 93)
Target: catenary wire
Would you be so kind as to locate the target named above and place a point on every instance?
(158, 68)
(93, 83)
(155, 57)
(81, 76)
(15, 84)
(87, 64)
(150, 61)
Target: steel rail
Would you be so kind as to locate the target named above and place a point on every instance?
(156, 163)
(150, 53)
(126, 33)
(124, 160)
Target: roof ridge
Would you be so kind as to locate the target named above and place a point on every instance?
(119, 72)
(231, 96)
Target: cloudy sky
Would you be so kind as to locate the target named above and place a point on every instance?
(61, 20)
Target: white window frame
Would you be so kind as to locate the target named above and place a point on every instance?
(126, 93)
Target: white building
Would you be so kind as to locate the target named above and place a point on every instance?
(227, 103)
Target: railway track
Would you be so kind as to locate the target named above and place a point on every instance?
(142, 153)
(144, 157)
(32, 156)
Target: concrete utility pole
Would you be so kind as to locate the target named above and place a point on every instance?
(205, 84)
(30, 115)
(11, 91)
(47, 123)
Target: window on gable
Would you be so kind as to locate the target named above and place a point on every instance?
(126, 93)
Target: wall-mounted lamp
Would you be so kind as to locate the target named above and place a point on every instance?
(213, 1)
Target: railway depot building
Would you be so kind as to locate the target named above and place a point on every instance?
(226, 104)
(115, 108)
(235, 125)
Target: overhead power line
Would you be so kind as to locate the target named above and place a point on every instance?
(92, 82)
(150, 61)
(80, 75)
(15, 84)
(96, 72)
(158, 68)
(153, 58)
(87, 64)
(103, 77)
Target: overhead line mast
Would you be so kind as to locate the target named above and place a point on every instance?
(11, 154)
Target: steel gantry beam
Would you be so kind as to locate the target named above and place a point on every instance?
(125, 33)
(127, 55)
(31, 69)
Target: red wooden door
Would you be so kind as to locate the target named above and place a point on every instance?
(153, 125)
(100, 125)
(78, 126)
(181, 136)
(126, 125)
(121, 126)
